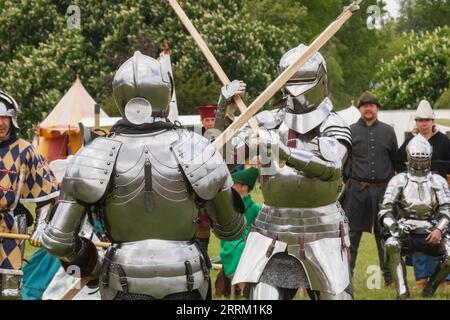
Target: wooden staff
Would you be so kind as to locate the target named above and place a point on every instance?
(27, 237)
(313, 48)
(211, 59)
(72, 291)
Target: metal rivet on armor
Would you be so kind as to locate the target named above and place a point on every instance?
(111, 154)
(191, 175)
(101, 182)
(105, 172)
(146, 151)
(117, 175)
(108, 163)
(114, 148)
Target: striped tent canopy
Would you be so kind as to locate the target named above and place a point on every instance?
(59, 134)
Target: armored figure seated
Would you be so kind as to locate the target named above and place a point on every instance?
(151, 177)
(416, 213)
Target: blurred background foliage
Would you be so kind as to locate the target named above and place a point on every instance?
(404, 60)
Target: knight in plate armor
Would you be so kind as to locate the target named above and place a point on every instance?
(300, 237)
(416, 213)
(150, 177)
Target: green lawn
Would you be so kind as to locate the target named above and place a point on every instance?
(367, 256)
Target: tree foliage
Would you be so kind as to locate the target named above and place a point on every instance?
(423, 15)
(420, 71)
(39, 56)
(41, 59)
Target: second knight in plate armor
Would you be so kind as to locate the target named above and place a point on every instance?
(300, 238)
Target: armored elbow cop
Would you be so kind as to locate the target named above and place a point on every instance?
(86, 261)
(226, 210)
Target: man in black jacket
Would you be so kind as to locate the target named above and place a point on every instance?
(369, 169)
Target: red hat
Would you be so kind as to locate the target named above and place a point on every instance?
(208, 111)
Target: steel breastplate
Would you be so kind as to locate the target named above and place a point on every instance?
(127, 216)
(291, 188)
(418, 199)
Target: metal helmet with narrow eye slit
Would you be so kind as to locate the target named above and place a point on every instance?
(308, 87)
(418, 153)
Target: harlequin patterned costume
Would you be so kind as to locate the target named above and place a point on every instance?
(24, 177)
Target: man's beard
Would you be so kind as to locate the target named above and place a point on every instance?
(369, 116)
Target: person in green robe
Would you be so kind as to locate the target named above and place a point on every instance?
(231, 251)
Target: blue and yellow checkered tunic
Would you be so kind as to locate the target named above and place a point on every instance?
(39, 185)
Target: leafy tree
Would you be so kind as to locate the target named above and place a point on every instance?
(43, 56)
(423, 15)
(444, 101)
(420, 71)
(191, 94)
(40, 57)
(27, 23)
(39, 78)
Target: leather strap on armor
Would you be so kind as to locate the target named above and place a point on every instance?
(122, 276)
(189, 276)
(292, 135)
(342, 235)
(148, 185)
(106, 266)
(271, 246)
(301, 242)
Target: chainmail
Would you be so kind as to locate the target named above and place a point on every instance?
(285, 271)
(193, 295)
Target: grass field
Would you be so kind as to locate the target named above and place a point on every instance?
(367, 259)
(366, 263)
(367, 256)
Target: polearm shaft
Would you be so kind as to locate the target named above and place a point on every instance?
(19, 236)
(264, 97)
(73, 291)
(210, 57)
